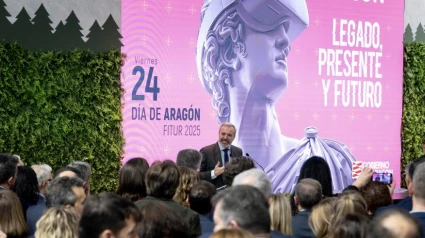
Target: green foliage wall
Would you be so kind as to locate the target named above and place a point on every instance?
(413, 129)
(60, 107)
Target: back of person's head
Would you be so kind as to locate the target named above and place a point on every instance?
(414, 164)
(200, 197)
(349, 202)
(236, 166)
(60, 192)
(232, 233)
(256, 178)
(280, 214)
(419, 184)
(242, 206)
(131, 179)
(108, 214)
(308, 192)
(26, 185)
(352, 225)
(188, 177)
(8, 169)
(162, 180)
(321, 217)
(189, 158)
(57, 222)
(12, 221)
(44, 174)
(84, 168)
(376, 195)
(68, 172)
(160, 220)
(318, 169)
(394, 223)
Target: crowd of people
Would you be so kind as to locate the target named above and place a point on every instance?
(184, 199)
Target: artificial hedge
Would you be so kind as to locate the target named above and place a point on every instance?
(413, 127)
(58, 107)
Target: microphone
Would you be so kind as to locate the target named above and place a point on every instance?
(255, 161)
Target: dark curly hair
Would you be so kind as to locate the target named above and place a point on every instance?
(236, 166)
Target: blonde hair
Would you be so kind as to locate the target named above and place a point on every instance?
(232, 233)
(188, 177)
(57, 222)
(321, 217)
(12, 221)
(280, 214)
(349, 203)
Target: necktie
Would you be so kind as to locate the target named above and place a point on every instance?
(226, 155)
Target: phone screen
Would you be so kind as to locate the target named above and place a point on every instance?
(383, 177)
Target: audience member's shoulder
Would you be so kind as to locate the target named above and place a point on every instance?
(144, 201)
(276, 234)
(405, 204)
(209, 147)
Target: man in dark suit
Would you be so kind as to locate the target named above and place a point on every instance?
(215, 156)
(162, 180)
(308, 192)
(406, 203)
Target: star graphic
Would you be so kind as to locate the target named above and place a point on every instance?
(388, 28)
(145, 5)
(369, 148)
(144, 39)
(352, 117)
(167, 78)
(296, 116)
(213, 114)
(168, 7)
(369, 117)
(315, 116)
(168, 41)
(142, 149)
(334, 116)
(192, 10)
(166, 150)
(191, 78)
(317, 21)
(316, 83)
(387, 118)
(351, 147)
(386, 148)
(191, 42)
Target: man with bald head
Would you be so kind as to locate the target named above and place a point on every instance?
(394, 223)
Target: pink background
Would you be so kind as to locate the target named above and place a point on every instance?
(167, 31)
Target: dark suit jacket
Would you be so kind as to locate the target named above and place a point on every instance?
(207, 225)
(405, 204)
(210, 156)
(300, 227)
(190, 217)
(34, 213)
(420, 216)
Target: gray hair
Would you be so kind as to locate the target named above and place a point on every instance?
(59, 192)
(256, 178)
(227, 124)
(189, 158)
(83, 167)
(309, 192)
(43, 172)
(245, 205)
(419, 182)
